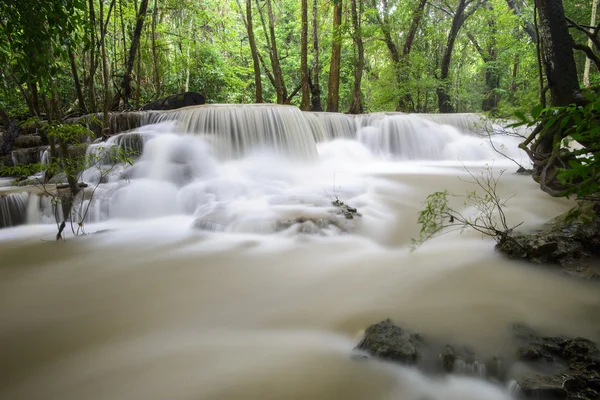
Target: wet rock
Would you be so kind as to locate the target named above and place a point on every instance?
(542, 387)
(563, 241)
(176, 101)
(27, 141)
(524, 171)
(390, 342)
(345, 210)
(564, 368)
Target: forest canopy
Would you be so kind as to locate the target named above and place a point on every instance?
(64, 57)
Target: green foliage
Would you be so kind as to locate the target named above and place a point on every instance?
(487, 217)
(579, 149)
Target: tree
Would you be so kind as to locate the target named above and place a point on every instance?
(305, 104)
(586, 71)
(254, 51)
(544, 145)
(464, 9)
(316, 70)
(356, 107)
(333, 90)
(126, 91)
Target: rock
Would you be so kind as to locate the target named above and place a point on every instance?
(176, 101)
(524, 171)
(345, 210)
(8, 137)
(563, 241)
(27, 141)
(390, 342)
(564, 368)
(542, 387)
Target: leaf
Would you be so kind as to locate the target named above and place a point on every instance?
(537, 111)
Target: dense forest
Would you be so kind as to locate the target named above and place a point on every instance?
(66, 57)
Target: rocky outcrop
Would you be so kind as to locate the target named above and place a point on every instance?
(555, 367)
(389, 342)
(176, 101)
(566, 241)
(561, 368)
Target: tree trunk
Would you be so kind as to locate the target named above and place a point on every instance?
(315, 87)
(561, 75)
(35, 98)
(460, 16)
(254, 51)
(586, 69)
(333, 92)
(528, 27)
(91, 87)
(80, 97)
(406, 102)
(559, 62)
(304, 79)
(106, 126)
(356, 107)
(154, 51)
(277, 74)
(133, 49)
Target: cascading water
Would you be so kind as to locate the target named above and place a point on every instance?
(13, 209)
(179, 173)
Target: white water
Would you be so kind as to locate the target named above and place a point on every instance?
(155, 308)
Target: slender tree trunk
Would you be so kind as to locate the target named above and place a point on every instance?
(586, 69)
(515, 71)
(277, 74)
(124, 37)
(91, 86)
(315, 87)
(304, 79)
(254, 51)
(80, 97)
(154, 51)
(406, 102)
(133, 49)
(528, 27)
(356, 107)
(106, 118)
(333, 91)
(187, 63)
(460, 16)
(35, 98)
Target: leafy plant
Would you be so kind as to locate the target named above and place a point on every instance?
(488, 219)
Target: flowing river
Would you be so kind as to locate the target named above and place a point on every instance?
(206, 273)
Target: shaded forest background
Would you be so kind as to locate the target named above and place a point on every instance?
(62, 57)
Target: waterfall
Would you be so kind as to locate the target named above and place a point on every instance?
(214, 160)
(235, 130)
(13, 209)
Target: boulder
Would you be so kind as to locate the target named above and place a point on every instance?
(552, 367)
(390, 342)
(562, 368)
(564, 241)
(176, 101)
(27, 141)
